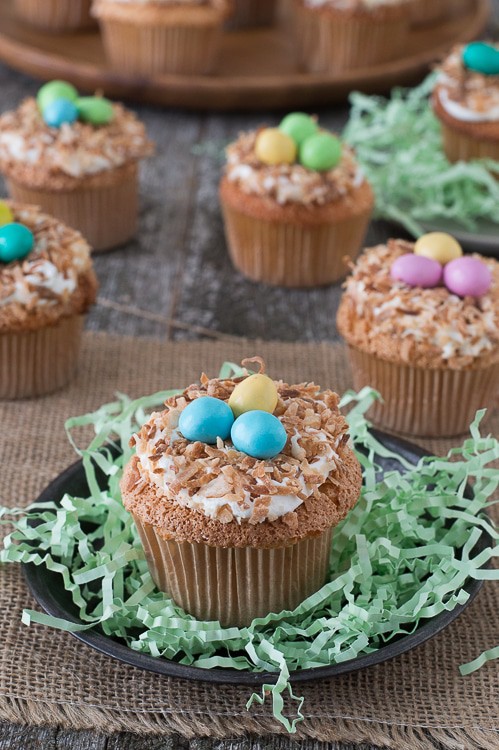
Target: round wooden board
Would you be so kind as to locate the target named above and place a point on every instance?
(256, 68)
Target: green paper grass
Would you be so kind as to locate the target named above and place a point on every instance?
(401, 556)
(399, 147)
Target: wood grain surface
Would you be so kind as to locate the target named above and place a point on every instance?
(175, 281)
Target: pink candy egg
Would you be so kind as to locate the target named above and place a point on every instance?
(467, 277)
(417, 270)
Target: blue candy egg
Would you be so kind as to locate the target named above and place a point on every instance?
(59, 112)
(259, 434)
(206, 419)
(16, 242)
(482, 58)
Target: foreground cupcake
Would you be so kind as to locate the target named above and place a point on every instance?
(235, 489)
(148, 37)
(77, 158)
(466, 101)
(422, 325)
(56, 15)
(295, 204)
(340, 35)
(46, 285)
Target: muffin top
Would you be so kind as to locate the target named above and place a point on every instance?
(53, 280)
(225, 492)
(468, 83)
(430, 326)
(296, 163)
(59, 139)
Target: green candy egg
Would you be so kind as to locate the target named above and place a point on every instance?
(482, 58)
(320, 152)
(298, 126)
(54, 90)
(95, 109)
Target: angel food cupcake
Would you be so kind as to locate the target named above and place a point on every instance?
(235, 489)
(77, 158)
(422, 326)
(340, 35)
(295, 203)
(466, 101)
(147, 37)
(47, 283)
(56, 15)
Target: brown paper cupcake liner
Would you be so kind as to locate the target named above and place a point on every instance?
(56, 15)
(460, 146)
(34, 363)
(293, 255)
(106, 215)
(252, 13)
(235, 585)
(427, 12)
(138, 49)
(424, 402)
(333, 42)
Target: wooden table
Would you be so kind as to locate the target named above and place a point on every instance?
(175, 281)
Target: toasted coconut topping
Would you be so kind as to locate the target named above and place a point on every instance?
(428, 327)
(227, 485)
(466, 94)
(289, 183)
(40, 156)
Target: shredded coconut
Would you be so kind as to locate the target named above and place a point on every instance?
(465, 94)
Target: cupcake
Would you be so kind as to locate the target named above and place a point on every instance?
(295, 203)
(77, 158)
(466, 102)
(422, 326)
(340, 35)
(253, 13)
(235, 489)
(150, 37)
(47, 283)
(428, 12)
(56, 15)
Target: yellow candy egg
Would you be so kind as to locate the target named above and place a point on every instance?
(275, 147)
(6, 215)
(254, 392)
(438, 246)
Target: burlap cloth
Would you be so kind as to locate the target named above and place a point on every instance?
(47, 677)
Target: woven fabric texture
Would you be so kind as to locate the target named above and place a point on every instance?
(47, 677)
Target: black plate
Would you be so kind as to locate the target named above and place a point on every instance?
(48, 589)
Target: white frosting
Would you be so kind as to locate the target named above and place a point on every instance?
(460, 112)
(41, 274)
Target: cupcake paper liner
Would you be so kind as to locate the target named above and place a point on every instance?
(427, 12)
(34, 363)
(333, 42)
(294, 255)
(106, 215)
(138, 49)
(56, 15)
(460, 146)
(235, 585)
(252, 13)
(422, 401)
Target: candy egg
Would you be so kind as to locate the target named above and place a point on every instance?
(16, 242)
(482, 58)
(416, 270)
(438, 246)
(6, 215)
(259, 434)
(272, 146)
(254, 392)
(54, 90)
(467, 277)
(320, 152)
(206, 419)
(95, 109)
(298, 126)
(59, 112)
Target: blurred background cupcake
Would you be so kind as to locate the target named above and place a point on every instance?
(422, 325)
(253, 13)
(146, 37)
(295, 203)
(77, 158)
(56, 15)
(47, 284)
